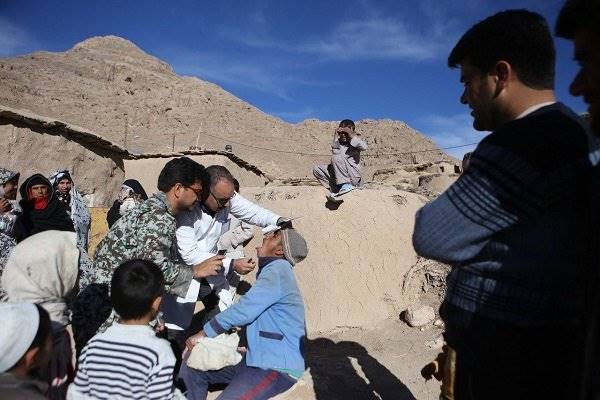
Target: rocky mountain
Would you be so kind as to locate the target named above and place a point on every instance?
(112, 87)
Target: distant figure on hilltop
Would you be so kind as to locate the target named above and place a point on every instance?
(343, 174)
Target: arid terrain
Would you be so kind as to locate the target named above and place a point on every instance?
(361, 273)
(112, 87)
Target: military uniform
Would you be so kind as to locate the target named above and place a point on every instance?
(148, 233)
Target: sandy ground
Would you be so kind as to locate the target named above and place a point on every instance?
(358, 348)
(379, 362)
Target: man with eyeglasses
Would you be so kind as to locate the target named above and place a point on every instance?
(199, 230)
(147, 233)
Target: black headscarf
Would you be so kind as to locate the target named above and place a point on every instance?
(113, 214)
(53, 217)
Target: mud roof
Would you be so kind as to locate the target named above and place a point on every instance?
(43, 124)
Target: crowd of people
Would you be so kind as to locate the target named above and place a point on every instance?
(161, 255)
(520, 229)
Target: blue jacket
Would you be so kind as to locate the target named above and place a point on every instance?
(273, 311)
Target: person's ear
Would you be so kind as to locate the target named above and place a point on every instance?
(177, 190)
(502, 73)
(31, 358)
(279, 251)
(156, 304)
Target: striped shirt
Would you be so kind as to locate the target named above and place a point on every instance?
(125, 362)
(515, 225)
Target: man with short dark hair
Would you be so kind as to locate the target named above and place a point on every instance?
(148, 232)
(513, 226)
(199, 230)
(343, 174)
(579, 21)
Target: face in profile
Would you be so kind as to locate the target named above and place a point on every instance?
(190, 195)
(271, 245)
(10, 189)
(587, 81)
(478, 94)
(219, 195)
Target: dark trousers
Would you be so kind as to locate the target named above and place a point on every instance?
(495, 360)
(243, 382)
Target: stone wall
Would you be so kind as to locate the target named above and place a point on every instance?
(146, 170)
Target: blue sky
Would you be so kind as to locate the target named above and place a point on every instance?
(296, 59)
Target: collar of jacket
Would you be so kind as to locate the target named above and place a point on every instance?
(263, 261)
(161, 199)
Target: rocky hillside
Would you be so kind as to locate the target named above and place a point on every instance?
(112, 87)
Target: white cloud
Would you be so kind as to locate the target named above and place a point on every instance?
(247, 76)
(450, 131)
(261, 75)
(424, 33)
(377, 37)
(12, 38)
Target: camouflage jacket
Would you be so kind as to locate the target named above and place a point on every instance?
(146, 232)
(8, 219)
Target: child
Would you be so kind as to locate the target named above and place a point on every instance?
(25, 346)
(128, 360)
(273, 313)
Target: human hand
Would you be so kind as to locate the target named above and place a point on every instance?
(192, 340)
(159, 327)
(5, 205)
(244, 266)
(284, 223)
(208, 267)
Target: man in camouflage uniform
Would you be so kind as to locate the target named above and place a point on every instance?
(148, 233)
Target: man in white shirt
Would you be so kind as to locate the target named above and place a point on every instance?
(199, 230)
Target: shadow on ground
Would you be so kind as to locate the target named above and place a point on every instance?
(336, 373)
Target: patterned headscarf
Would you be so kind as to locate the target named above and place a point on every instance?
(7, 175)
(80, 214)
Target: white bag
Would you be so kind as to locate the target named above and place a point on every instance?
(215, 353)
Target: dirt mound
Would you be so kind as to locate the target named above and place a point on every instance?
(112, 87)
(358, 254)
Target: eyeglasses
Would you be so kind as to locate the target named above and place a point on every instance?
(221, 202)
(197, 192)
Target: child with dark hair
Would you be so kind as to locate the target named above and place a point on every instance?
(128, 360)
(25, 346)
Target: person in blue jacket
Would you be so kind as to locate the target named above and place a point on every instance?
(273, 313)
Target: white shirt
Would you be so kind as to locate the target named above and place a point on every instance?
(198, 233)
(534, 108)
(126, 361)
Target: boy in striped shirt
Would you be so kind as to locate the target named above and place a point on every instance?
(128, 361)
